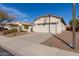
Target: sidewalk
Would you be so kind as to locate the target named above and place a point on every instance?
(29, 44)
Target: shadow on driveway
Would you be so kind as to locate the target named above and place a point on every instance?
(62, 41)
(4, 52)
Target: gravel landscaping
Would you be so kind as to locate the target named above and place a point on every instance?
(56, 41)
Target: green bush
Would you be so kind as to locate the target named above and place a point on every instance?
(77, 27)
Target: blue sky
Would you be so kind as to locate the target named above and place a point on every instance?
(28, 12)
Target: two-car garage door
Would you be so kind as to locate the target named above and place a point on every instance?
(45, 28)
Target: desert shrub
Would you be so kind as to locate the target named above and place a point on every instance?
(69, 28)
(77, 27)
(9, 31)
(26, 26)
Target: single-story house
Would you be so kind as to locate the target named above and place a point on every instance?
(49, 24)
(19, 26)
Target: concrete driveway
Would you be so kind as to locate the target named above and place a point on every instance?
(29, 44)
(24, 41)
(34, 37)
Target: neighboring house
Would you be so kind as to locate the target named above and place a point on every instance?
(20, 26)
(17, 26)
(49, 24)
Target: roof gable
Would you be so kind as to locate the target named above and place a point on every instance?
(48, 16)
(51, 16)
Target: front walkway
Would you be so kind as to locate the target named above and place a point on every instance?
(29, 44)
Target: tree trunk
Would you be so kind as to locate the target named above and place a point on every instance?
(2, 27)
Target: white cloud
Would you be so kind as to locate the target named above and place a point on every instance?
(14, 12)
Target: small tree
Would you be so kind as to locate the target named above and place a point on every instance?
(5, 17)
(76, 24)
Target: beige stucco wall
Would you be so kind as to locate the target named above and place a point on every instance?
(54, 28)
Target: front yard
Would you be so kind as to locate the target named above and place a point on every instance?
(57, 43)
(12, 33)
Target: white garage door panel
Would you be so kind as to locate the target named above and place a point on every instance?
(45, 28)
(53, 28)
